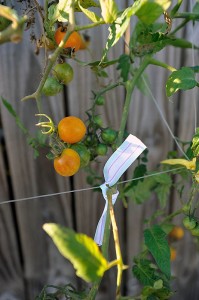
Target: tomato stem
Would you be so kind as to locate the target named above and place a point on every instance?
(130, 85)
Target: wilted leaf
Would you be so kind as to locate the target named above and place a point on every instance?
(80, 249)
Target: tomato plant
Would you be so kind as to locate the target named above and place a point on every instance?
(75, 144)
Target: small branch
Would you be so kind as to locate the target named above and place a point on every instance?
(89, 26)
(155, 62)
(171, 216)
(130, 85)
(187, 15)
(39, 10)
(181, 25)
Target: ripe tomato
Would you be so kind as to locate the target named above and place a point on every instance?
(176, 233)
(189, 222)
(52, 87)
(68, 163)
(85, 41)
(84, 154)
(108, 135)
(71, 129)
(173, 254)
(63, 72)
(73, 41)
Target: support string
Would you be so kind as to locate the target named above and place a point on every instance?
(85, 189)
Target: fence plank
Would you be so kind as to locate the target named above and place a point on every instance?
(42, 261)
(11, 279)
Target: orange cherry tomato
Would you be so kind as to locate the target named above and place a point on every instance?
(73, 41)
(173, 253)
(71, 129)
(68, 163)
(85, 41)
(177, 233)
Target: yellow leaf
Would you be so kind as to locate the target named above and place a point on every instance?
(190, 165)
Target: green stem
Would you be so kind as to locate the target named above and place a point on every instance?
(171, 216)
(120, 265)
(105, 245)
(156, 62)
(130, 85)
(187, 15)
(89, 26)
(108, 88)
(181, 25)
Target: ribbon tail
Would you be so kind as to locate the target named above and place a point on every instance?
(99, 234)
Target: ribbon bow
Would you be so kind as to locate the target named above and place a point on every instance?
(116, 165)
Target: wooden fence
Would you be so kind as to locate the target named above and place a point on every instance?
(28, 258)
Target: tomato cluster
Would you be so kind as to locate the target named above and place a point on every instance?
(191, 223)
(61, 74)
(176, 234)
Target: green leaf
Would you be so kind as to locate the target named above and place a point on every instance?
(56, 12)
(152, 293)
(14, 114)
(183, 79)
(90, 14)
(149, 10)
(80, 249)
(144, 272)
(118, 28)
(163, 188)
(196, 7)
(195, 143)
(124, 64)
(143, 83)
(181, 43)
(155, 240)
(142, 191)
(175, 8)
(85, 4)
(109, 10)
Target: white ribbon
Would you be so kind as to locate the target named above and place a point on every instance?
(116, 165)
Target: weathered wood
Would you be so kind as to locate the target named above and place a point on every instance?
(42, 264)
(42, 261)
(11, 276)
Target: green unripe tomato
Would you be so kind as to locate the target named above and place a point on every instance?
(195, 230)
(186, 208)
(98, 121)
(108, 135)
(100, 100)
(189, 222)
(51, 87)
(84, 154)
(63, 72)
(101, 149)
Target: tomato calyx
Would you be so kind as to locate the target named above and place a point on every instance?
(48, 126)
